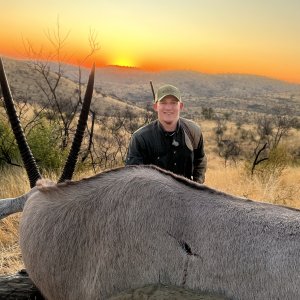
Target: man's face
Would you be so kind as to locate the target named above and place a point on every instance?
(168, 110)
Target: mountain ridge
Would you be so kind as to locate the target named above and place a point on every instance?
(231, 92)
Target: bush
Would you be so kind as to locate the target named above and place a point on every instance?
(278, 160)
(9, 152)
(44, 145)
(208, 113)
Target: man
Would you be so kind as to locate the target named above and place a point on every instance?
(170, 142)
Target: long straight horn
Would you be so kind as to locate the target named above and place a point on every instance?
(73, 155)
(26, 154)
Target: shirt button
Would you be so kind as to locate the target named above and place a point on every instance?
(174, 164)
(174, 152)
(157, 157)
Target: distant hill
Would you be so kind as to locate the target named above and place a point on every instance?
(234, 92)
(120, 86)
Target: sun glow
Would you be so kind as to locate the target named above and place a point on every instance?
(124, 62)
(212, 36)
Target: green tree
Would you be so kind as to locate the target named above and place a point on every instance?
(46, 147)
(9, 153)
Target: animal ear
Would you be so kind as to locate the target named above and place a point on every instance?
(81, 126)
(26, 154)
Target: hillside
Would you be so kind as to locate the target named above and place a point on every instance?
(27, 83)
(233, 92)
(118, 86)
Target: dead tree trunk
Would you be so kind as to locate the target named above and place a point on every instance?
(18, 287)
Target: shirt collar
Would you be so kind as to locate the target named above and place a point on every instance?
(160, 127)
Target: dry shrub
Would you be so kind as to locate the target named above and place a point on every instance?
(271, 169)
(283, 188)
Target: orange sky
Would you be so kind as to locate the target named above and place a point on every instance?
(212, 36)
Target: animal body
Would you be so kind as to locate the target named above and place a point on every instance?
(140, 225)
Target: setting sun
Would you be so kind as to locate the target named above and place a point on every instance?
(249, 37)
(123, 62)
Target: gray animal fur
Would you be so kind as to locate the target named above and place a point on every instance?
(10, 206)
(140, 225)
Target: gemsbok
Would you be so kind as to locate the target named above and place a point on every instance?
(138, 225)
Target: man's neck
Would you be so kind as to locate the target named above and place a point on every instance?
(169, 127)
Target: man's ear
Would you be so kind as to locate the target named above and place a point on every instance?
(155, 106)
(181, 106)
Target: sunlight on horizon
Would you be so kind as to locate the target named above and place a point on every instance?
(247, 37)
(123, 62)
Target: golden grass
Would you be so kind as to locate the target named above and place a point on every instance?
(10, 254)
(11, 184)
(284, 190)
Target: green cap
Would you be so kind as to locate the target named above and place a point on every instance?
(167, 90)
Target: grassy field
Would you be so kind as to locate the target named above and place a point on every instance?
(283, 190)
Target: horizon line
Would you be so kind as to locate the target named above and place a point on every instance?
(136, 68)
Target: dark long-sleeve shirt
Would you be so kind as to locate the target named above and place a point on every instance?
(152, 145)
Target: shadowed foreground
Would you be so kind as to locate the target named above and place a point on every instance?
(163, 292)
(20, 287)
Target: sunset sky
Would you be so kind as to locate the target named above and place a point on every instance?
(212, 36)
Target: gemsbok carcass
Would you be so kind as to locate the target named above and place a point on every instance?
(139, 225)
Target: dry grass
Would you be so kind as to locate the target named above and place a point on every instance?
(10, 254)
(283, 190)
(11, 184)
